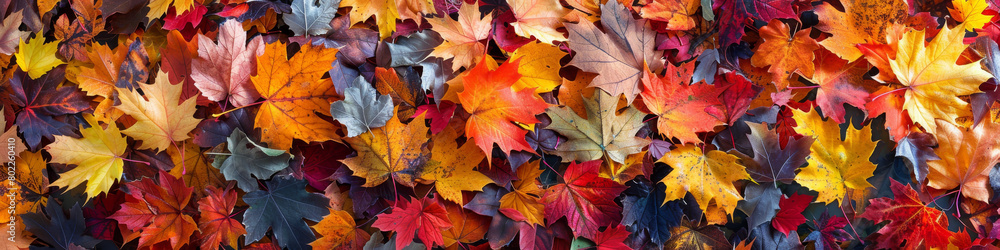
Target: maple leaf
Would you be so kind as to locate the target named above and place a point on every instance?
(122, 68)
(619, 55)
(422, 218)
(76, 35)
(676, 13)
(839, 83)
(760, 205)
(216, 222)
(706, 175)
(461, 38)
(494, 106)
(249, 160)
(43, 100)
(450, 167)
(683, 109)
(413, 49)
(862, 22)
(402, 86)
(734, 14)
(178, 65)
(687, 236)
(389, 152)
(890, 102)
(361, 110)
(37, 57)
(295, 93)
(156, 211)
(98, 156)
(282, 207)
(970, 13)
(9, 33)
(916, 148)
(830, 232)
(785, 54)
(933, 81)
(612, 238)
(309, 19)
(584, 198)
(790, 216)
(603, 134)
(58, 229)
(775, 163)
(834, 164)
(644, 210)
(523, 200)
(194, 168)
(160, 120)
(538, 19)
(384, 11)
(336, 228)
(909, 219)
(222, 71)
(966, 158)
(466, 227)
(539, 67)
(26, 191)
(158, 7)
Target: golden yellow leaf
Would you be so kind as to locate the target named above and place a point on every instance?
(970, 13)
(160, 120)
(97, 156)
(706, 175)
(36, 56)
(387, 151)
(384, 11)
(335, 229)
(539, 67)
(450, 167)
(526, 194)
(834, 164)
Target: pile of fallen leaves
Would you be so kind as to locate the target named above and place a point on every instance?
(475, 124)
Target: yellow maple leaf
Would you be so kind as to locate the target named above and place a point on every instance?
(461, 38)
(160, 120)
(967, 156)
(385, 13)
(37, 57)
(336, 228)
(526, 194)
(863, 21)
(834, 164)
(539, 67)
(31, 186)
(970, 13)
(159, 7)
(451, 167)
(295, 93)
(538, 18)
(387, 151)
(932, 78)
(706, 175)
(97, 156)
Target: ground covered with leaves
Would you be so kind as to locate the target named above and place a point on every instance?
(478, 124)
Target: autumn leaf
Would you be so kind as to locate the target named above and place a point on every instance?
(336, 229)
(57, 228)
(98, 156)
(249, 162)
(617, 56)
(773, 162)
(423, 218)
(362, 109)
(222, 71)
(538, 19)
(76, 35)
(43, 101)
(706, 175)
(839, 83)
(524, 200)
(970, 13)
(932, 79)
(910, 220)
(584, 198)
(10, 36)
(217, 223)
(283, 207)
(295, 95)
(388, 152)
(161, 118)
(450, 167)
(790, 216)
(683, 109)
(155, 209)
(494, 107)
(678, 14)
(466, 227)
(784, 53)
(309, 19)
(687, 236)
(158, 7)
(384, 11)
(539, 67)
(604, 133)
(834, 164)
(861, 22)
(966, 159)
(37, 57)
(461, 38)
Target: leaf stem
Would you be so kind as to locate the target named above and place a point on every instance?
(236, 108)
(856, 236)
(891, 91)
(130, 160)
(803, 87)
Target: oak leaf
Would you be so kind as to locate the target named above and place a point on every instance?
(295, 95)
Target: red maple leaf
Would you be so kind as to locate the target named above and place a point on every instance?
(216, 222)
(423, 217)
(909, 219)
(585, 199)
(790, 216)
(156, 210)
